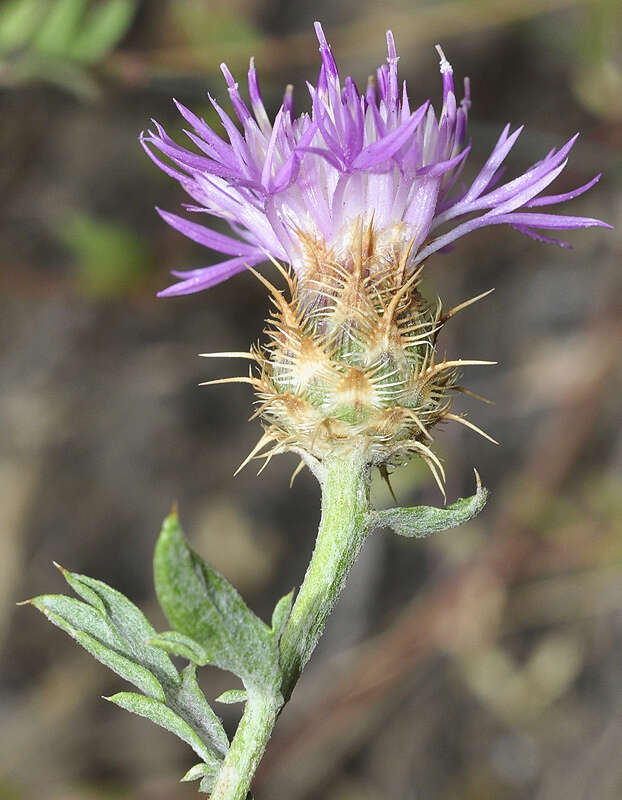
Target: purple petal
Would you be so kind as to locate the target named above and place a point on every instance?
(172, 173)
(498, 155)
(523, 219)
(539, 238)
(550, 199)
(238, 104)
(383, 149)
(210, 276)
(327, 57)
(441, 167)
(206, 236)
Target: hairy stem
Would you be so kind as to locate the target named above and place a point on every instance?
(247, 748)
(343, 527)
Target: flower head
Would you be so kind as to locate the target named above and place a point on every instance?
(300, 186)
(352, 197)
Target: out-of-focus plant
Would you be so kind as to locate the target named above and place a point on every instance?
(353, 197)
(109, 259)
(598, 68)
(60, 41)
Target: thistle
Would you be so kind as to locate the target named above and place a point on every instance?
(348, 202)
(350, 365)
(351, 198)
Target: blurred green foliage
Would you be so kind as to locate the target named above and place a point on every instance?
(109, 258)
(223, 24)
(598, 71)
(57, 41)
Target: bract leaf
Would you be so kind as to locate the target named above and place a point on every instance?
(421, 521)
(199, 602)
(166, 718)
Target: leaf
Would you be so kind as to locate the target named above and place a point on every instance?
(181, 645)
(59, 27)
(118, 635)
(233, 696)
(197, 772)
(190, 703)
(281, 613)
(157, 712)
(91, 629)
(421, 521)
(130, 623)
(105, 26)
(199, 602)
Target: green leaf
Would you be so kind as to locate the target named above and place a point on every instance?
(18, 22)
(118, 634)
(233, 696)
(130, 623)
(199, 602)
(189, 702)
(281, 613)
(181, 645)
(157, 712)
(59, 27)
(90, 628)
(421, 521)
(197, 772)
(105, 26)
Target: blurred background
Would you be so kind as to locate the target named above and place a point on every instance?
(483, 663)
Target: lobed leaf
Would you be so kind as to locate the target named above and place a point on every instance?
(190, 703)
(129, 622)
(421, 521)
(166, 718)
(199, 602)
(92, 630)
(118, 635)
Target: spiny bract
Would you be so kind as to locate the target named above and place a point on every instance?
(351, 357)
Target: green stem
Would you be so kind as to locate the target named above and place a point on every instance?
(344, 524)
(343, 527)
(247, 748)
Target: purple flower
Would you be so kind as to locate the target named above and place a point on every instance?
(356, 157)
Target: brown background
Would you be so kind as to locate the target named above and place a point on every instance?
(484, 663)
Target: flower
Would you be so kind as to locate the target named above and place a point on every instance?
(353, 198)
(302, 184)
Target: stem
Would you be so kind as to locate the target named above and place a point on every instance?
(343, 528)
(247, 748)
